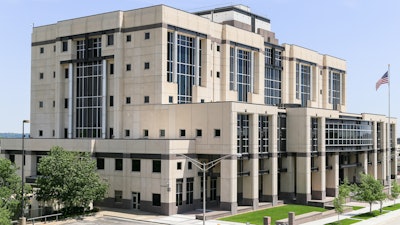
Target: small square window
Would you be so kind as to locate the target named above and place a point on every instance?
(41, 50)
(217, 133)
(54, 104)
(118, 164)
(40, 104)
(54, 133)
(199, 133)
(100, 163)
(110, 39)
(11, 158)
(146, 65)
(179, 165)
(171, 99)
(65, 132)
(182, 133)
(111, 100)
(147, 35)
(40, 133)
(156, 166)
(128, 100)
(162, 133)
(145, 133)
(146, 99)
(66, 103)
(41, 75)
(190, 166)
(54, 48)
(217, 74)
(111, 68)
(111, 133)
(118, 196)
(65, 46)
(128, 67)
(127, 133)
(218, 48)
(54, 74)
(128, 38)
(135, 165)
(201, 100)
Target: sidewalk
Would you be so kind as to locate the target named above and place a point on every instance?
(381, 220)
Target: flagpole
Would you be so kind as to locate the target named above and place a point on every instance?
(389, 156)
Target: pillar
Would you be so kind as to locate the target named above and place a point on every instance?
(332, 175)
(270, 180)
(319, 177)
(250, 183)
(229, 185)
(70, 100)
(104, 100)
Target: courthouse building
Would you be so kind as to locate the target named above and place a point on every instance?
(138, 89)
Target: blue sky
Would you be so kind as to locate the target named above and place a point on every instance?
(364, 33)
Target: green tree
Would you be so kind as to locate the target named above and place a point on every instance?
(10, 191)
(395, 190)
(70, 179)
(340, 200)
(370, 190)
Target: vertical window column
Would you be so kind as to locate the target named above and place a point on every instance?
(175, 58)
(197, 62)
(70, 100)
(252, 72)
(104, 100)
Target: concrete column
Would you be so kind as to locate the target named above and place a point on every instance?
(250, 183)
(70, 100)
(383, 154)
(319, 176)
(270, 180)
(175, 58)
(229, 185)
(291, 218)
(104, 100)
(197, 62)
(303, 178)
(372, 169)
(332, 175)
(252, 72)
(235, 69)
(363, 159)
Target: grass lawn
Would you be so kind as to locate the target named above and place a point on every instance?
(368, 215)
(357, 207)
(276, 213)
(392, 207)
(344, 222)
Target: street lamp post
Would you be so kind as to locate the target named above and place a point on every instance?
(203, 166)
(23, 219)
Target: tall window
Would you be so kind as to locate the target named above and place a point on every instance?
(243, 133)
(179, 192)
(281, 132)
(262, 133)
(272, 86)
(89, 89)
(334, 89)
(241, 64)
(186, 64)
(189, 190)
(314, 134)
(213, 189)
(303, 83)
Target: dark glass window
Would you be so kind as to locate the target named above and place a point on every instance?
(111, 68)
(199, 133)
(162, 133)
(111, 100)
(128, 67)
(179, 165)
(147, 35)
(100, 163)
(66, 103)
(136, 165)
(146, 99)
(127, 133)
(217, 133)
(110, 39)
(128, 100)
(182, 133)
(146, 65)
(156, 166)
(66, 73)
(118, 164)
(128, 38)
(156, 200)
(65, 46)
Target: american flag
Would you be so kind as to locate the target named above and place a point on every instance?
(384, 80)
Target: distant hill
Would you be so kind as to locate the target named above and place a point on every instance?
(11, 135)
